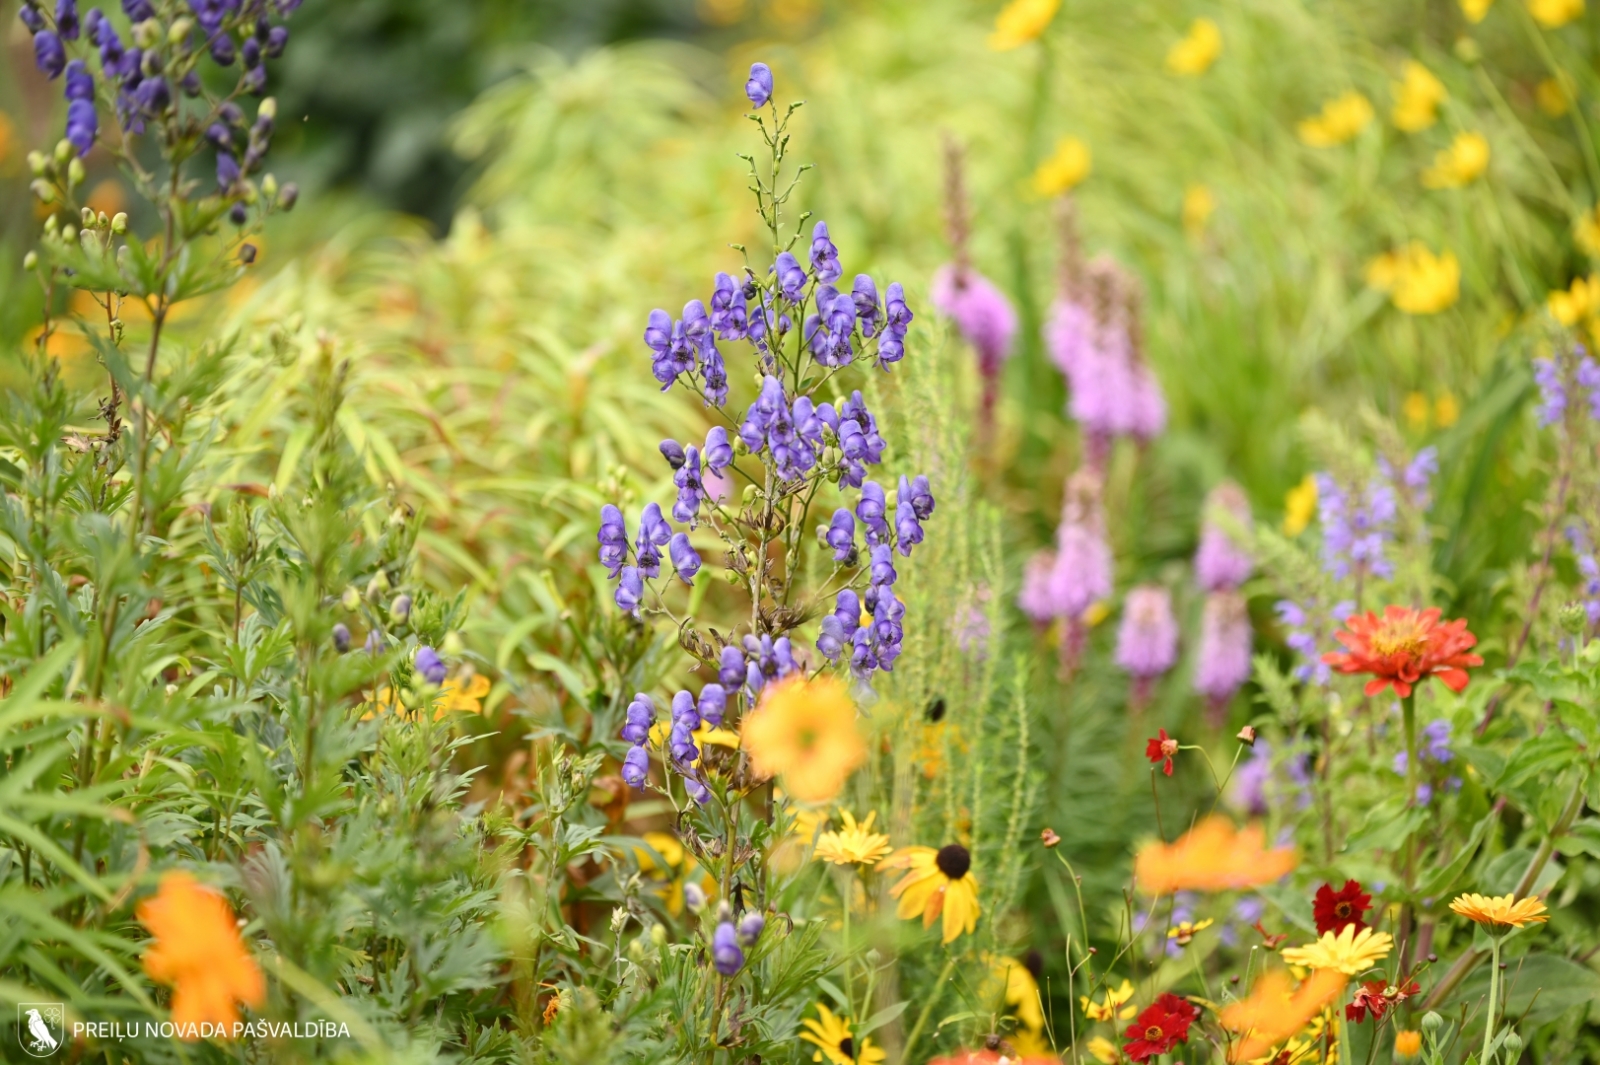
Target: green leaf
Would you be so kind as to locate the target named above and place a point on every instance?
(1441, 881)
(1386, 827)
(881, 1018)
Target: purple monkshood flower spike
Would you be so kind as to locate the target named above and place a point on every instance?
(864, 294)
(725, 952)
(430, 666)
(49, 54)
(841, 535)
(759, 86)
(883, 572)
(636, 767)
(641, 716)
(791, 277)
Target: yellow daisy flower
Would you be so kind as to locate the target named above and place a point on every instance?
(1183, 932)
(1553, 96)
(1339, 121)
(1194, 55)
(1021, 21)
(1500, 913)
(854, 844)
(1446, 410)
(1104, 1050)
(1417, 96)
(1417, 410)
(1417, 280)
(1066, 168)
(1576, 304)
(1300, 506)
(465, 696)
(1407, 1045)
(937, 883)
(1460, 164)
(1112, 1005)
(1586, 230)
(805, 732)
(1346, 951)
(1198, 205)
(830, 1033)
(1475, 10)
(1021, 991)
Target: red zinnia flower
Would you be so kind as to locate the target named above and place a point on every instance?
(1404, 648)
(1336, 909)
(1162, 1026)
(1377, 997)
(1162, 747)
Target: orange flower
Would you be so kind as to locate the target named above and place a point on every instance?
(1404, 648)
(1276, 1011)
(805, 731)
(198, 952)
(1211, 857)
(1499, 914)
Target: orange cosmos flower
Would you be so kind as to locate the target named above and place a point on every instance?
(1499, 914)
(198, 952)
(1211, 857)
(1404, 648)
(1277, 1011)
(805, 731)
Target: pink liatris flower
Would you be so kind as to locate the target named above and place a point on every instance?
(1222, 563)
(1147, 642)
(1082, 572)
(1035, 599)
(1223, 658)
(985, 319)
(1113, 391)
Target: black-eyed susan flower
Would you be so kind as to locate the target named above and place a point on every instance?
(853, 844)
(938, 883)
(1500, 914)
(1112, 1004)
(1013, 982)
(804, 731)
(1347, 951)
(835, 1044)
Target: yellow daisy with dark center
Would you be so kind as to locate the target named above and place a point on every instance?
(938, 883)
(1500, 915)
(830, 1034)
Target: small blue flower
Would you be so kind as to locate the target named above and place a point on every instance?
(759, 87)
(684, 557)
(641, 715)
(613, 537)
(718, 452)
(824, 256)
(731, 670)
(636, 767)
(429, 665)
(630, 590)
(654, 534)
(791, 277)
(871, 509)
(67, 19)
(713, 704)
(725, 952)
(750, 928)
(49, 53)
(842, 535)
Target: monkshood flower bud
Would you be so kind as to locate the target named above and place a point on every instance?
(759, 86)
(1223, 658)
(613, 539)
(227, 170)
(824, 256)
(400, 609)
(79, 84)
(429, 665)
(341, 637)
(49, 54)
(139, 10)
(871, 509)
(718, 452)
(731, 670)
(630, 590)
(694, 896)
(725, 953)
(715, 374)
(690, 488)
(375, 643)
(641, 716)
(842, 535)
(277, 40)
(672, 451)
(791, 277)
(883, 573)
(67, 19)
(654, 533)
(250, 54)
(751, 926)
(864, 295)
(683, 710)
(701, 795)
(920, 495)
(729, 313)
(1221, 564)
(713, 704)
(31, 16)
(222, 50)
(833, 637)
(636, 767)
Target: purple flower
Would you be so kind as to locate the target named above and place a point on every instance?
(725, 952)
(824, 256)
(684, 711)
(759, 87)
(341, 637)
(731, 670)
(654, 533)
(920, 496)
(907, 529)
(1080, 574)
(729, 315)
(883, 572)
(864, 295)
(428, 664)
(690, 489)
(718, 452)
(713, 704)
(227, 170)
(83, 125)
(1223, 658)
(1546, 373)
(684, 557)
(1035, 598)
(67, 19)
(636, 767)
(49, 53)
(1147, 641)
(1070, 337)
(1222, 564)
(791, 277)
(697, 791)
(841, 535)
(680, 742)
(769, 409)
(31, 16)
(871, 509)
(980, 311)
(139, 10)
(1588, 377)
(750, 928)
(630, 590)
(672, 451)
(613, 537)
(641, 716)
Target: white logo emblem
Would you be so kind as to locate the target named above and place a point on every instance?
(40, 1027)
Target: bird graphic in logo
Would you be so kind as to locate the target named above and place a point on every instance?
(41, 1027)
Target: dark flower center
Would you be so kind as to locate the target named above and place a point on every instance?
(935, 711)
(1342, 910)
(847, 1047)
(1154, 1033)
(1033, 961)
(953, 861)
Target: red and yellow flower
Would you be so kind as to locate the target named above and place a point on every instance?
(1405, 647)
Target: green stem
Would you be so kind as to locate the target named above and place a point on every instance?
(1494, 988)
(927, 1009)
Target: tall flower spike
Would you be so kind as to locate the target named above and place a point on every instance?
(1222, 563)
(1223, 658)
(1147, 642)
(1081, 575)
